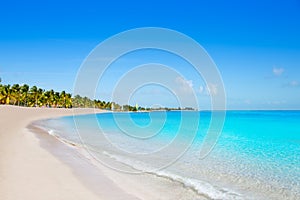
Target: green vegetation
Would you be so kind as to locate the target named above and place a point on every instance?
(33, 97)
(23, 95)
(36, 97)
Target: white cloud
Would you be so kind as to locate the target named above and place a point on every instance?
(201, 89)
(212, 89)
(184, 85)
(294, 83)
(278, 71)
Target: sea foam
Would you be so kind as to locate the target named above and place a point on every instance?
(201, 187)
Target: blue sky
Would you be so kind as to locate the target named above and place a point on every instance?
(255, 44)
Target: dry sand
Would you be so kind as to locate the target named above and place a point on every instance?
(37, 166)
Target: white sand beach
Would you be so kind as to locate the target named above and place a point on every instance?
(36, 166)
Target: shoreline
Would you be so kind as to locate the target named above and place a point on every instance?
(44, 164)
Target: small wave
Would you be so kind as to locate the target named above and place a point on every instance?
(201, 187)
(63, 140)
(54, 133)
(51, 132)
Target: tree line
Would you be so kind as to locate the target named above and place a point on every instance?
(24, 95)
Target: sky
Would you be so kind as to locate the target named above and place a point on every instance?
(254, 44)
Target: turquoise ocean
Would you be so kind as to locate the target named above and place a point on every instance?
(256, 156)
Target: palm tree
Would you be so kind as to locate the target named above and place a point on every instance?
(6, 94)
(62, 99)
(68, 101)
(34, 95)
(24, 94)
(78, 101)
(87, 102)
(40, 97)
(47, 98)
(56, 99)
(108, 105)
(1, 88)
(16, 92)
(51, 96)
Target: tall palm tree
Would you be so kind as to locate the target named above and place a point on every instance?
(40, 97)
(56, 99)
(16, 93)
(34, 95)
(24, 94)
(51, 96)
(47, 98)
(68, 101)
(62, 99)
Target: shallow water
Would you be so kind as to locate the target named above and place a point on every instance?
(257, 155)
